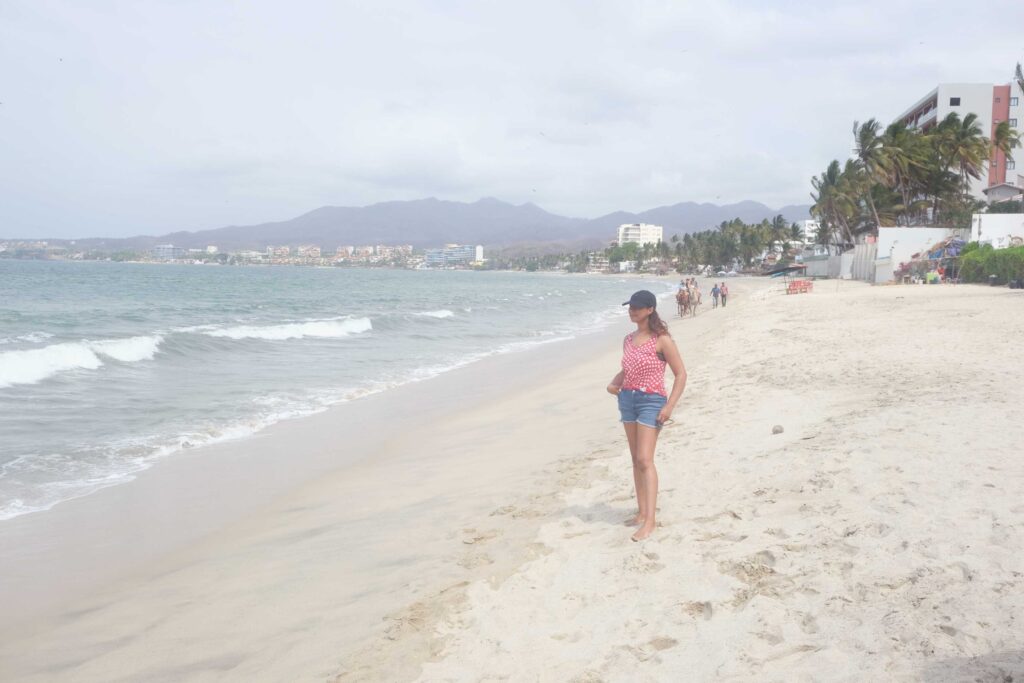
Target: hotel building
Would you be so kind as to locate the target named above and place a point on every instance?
(640, 233)
(454, 255)
(992, 104)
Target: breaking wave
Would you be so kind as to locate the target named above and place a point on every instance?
(34, 365)
(330, 328)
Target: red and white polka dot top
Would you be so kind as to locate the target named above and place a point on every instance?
(643, 370)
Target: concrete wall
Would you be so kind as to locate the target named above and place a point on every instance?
(822, 266)
(883, 270)
(996, 228)
(863, 265)
(846, 265)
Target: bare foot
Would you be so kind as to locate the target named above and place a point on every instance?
(643, 533)
(635, 520)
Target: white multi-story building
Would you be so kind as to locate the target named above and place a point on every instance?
(167, 251)
(597, 262)
(454, 254)
(640, 233)
(992, 104)
(809, 229)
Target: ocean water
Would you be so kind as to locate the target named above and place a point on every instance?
(107, 367)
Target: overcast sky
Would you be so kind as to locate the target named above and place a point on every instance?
(137, 117)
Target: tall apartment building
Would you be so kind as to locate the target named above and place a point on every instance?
(166, 251)
(992, 104)
(640, 233)
(453, 255)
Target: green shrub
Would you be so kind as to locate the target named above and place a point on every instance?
(1006, 264)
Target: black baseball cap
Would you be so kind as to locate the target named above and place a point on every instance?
(642, 299)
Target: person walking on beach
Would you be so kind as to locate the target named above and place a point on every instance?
(715, 291)
(644, 406)
(724, 291)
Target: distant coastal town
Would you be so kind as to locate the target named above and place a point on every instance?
(635, 248)
(460, 256)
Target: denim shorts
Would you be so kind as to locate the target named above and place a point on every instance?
(639, 406)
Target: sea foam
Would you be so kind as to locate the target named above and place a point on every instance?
(34, 365)
(128, 350)
(330, 328)
(31, 337)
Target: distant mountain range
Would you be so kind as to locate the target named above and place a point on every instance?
(433, 222)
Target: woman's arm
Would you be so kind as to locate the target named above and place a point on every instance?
(675, 361)
(616, 383)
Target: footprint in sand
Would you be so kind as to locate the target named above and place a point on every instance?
(731, 538)
(651, 648)
(808, 624)
(474, 561)
(472, 536)
(642, 564)
(663, 643)
(728, 514)
(696, 609)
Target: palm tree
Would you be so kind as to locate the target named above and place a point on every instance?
(962, 146)
(1005, 139)
(796, 233)
(905, 152)
(831, 206)
(777, 231)
(869, 148)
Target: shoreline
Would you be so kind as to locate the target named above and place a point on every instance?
(197, 502)
(856, 543)
(145, 445)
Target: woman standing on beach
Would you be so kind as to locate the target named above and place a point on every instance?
(643, 404)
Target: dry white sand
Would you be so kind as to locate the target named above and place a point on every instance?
(879, 537)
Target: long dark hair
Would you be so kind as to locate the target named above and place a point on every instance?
(657, 325)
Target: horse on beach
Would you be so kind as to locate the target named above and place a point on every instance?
(683, 302)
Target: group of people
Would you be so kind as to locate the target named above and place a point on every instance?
(688, 296)
(719, 291)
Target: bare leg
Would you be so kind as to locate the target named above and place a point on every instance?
(647, 439)
(631, 437)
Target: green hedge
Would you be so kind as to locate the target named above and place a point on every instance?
(1006, 264)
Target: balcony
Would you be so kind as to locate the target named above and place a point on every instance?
(926, 119)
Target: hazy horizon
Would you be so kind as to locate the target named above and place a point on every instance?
(481, 199)
(132, 120)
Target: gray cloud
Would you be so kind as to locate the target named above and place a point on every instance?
(143, 118)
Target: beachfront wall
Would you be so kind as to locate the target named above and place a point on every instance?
(822, 265)
(898, 245)
(862, 262)
(997, 228)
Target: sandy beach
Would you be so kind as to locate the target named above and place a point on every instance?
(877, 537)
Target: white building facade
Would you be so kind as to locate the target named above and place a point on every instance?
(640, 233)
(992, 104)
